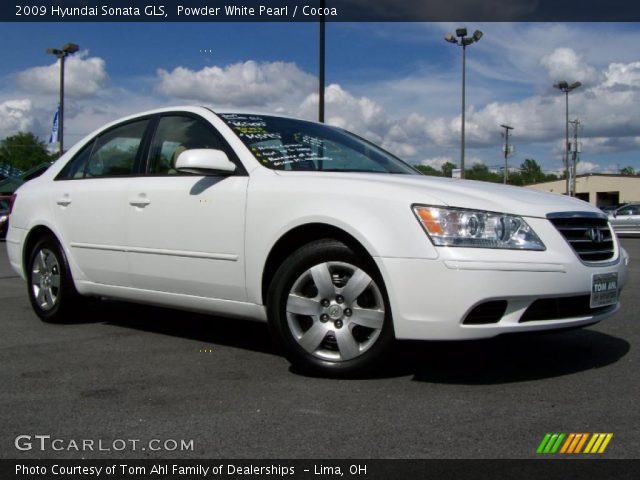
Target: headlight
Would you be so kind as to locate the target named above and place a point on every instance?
(3, 218)
(457, 227)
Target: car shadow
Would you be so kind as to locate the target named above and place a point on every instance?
(509, 358)
(205, 183)
(505, 359)
(232, 332)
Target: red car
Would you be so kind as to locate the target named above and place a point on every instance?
(4, 215)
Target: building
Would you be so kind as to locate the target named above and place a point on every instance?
(599, 189)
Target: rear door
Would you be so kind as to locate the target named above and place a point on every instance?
(90, 202)
(185, 231)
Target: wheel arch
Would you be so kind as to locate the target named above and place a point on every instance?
(35, 234)
(302, 235)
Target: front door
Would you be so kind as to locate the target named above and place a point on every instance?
(186, 232)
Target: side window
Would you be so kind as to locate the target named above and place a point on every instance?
(633, 210)
(175, 134)
(115, 151)
(76, 166)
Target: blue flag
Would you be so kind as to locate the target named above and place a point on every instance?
(53, 138)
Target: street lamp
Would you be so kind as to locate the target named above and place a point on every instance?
(62, 53)
(461, 33)
(321, 58)
(563, 86)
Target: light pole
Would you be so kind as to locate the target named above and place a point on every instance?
(321, 57)
(563, 86)
(506, 151)
(461, 33)
(62, 53)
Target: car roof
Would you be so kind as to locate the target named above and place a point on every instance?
(202, 109)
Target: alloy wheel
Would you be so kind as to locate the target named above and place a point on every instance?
(45, 279)
(335, 311)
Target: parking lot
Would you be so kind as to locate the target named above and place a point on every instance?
(134, 372)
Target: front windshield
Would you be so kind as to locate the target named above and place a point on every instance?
(287, 144)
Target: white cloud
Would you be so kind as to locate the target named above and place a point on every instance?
(566, 64)
(247, 84)
(436, 162)
(620, 74)
(16, 116)
(84, 76)
(587, 167)
(344, 110)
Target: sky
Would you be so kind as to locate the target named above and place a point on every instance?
(397, 84)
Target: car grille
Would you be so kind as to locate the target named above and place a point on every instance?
(589, 236)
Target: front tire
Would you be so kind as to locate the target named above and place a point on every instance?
(329, 310)
(52, 293)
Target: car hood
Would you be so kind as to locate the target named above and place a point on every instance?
(453, 192)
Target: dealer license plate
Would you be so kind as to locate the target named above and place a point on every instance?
(604, 289)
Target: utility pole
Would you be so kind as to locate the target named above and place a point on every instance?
(506, 151)
(575, 151)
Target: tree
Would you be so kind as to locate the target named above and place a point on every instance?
(479, 171)
(627, 171)
(428, 170)
(447, 168)
(531, 172)
(24, 151)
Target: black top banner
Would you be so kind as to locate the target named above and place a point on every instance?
(314, 10)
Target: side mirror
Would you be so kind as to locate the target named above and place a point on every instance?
(204, 161)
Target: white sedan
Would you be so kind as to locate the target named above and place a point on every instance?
(340, 246)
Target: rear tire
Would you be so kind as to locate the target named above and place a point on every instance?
(52, 293)
(328, 308)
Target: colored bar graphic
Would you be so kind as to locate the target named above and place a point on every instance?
(543, 443)
(556, 446)
(598, 442)
(594, 437)
(577, 437)
(605, 443)
(550, 443)
(565, 447)
(582, 440)
(573, 443)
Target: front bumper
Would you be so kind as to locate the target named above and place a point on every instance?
(430, 299)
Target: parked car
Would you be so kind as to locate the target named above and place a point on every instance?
(4, 216)
(625, 220)
(10, 184)
(610, 208)
(340, 246)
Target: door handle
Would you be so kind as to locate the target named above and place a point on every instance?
(140, 202)
(64, 201)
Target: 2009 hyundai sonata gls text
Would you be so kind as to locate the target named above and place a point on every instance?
(337, 244)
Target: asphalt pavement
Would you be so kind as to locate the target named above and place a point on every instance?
(140, 373)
